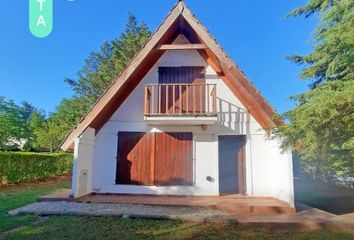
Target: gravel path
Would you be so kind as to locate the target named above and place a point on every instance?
(124, 210)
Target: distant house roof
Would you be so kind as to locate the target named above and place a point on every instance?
(180, 20)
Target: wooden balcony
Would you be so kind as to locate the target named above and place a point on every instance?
(180, 102)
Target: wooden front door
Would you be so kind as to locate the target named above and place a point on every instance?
(231, 165)
(179, 98)
(154, 158)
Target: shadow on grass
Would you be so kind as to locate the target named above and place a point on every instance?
(330, 198)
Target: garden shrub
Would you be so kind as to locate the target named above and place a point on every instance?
(20, 167)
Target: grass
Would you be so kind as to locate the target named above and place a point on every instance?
(17, 196)
(74, 227)
(330, 198)
(70, 227)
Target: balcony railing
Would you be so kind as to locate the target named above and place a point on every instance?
(180, 99)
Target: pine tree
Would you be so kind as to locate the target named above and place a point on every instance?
(321, 126)
(102, 67)
(99, 71)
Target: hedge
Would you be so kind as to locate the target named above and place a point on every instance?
(20, 167)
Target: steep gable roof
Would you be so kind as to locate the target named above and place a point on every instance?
(180, 20)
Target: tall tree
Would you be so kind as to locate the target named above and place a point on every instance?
(49, 135)
(32, 119)
(51, 132)
(102, 67)
(12, 124)
(97, 74)
(37, 120)
(15, 124)
(321, 126)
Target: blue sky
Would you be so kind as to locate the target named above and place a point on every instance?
(257, 35)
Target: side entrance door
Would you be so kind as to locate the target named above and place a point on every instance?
(231, 165)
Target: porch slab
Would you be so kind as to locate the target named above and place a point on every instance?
(231, 203)
(235, 204)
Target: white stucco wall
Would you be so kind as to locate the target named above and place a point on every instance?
(268, 171)
(83, 163)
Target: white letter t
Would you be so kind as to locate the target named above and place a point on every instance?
(41, 4)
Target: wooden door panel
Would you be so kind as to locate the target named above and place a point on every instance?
(174, 159)
(133, 160)
(161, 166)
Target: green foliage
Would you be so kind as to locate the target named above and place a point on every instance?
(103, 66)
(321, 126)
(11, 123)
(325, 126)
(68, 113)
(18, 167)
(333, 55)
(27, 123)
(15, 124)
(98, 73)
(50, 134)
(36, 121)
(312, 7)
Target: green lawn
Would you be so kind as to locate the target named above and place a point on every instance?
(71, 227)
(116, 228)
(14, 197)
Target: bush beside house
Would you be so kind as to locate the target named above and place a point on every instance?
(19, 167)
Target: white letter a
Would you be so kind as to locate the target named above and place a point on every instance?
(41, 21)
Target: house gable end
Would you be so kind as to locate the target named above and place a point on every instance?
(180, 26)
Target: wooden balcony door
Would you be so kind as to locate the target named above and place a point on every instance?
(184, 99)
